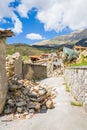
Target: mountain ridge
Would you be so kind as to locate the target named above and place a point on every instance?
(71, 38)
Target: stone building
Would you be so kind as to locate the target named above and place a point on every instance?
(79, 49)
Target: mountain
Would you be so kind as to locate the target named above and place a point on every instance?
(76, 38)
(72, 38)
(82, 42)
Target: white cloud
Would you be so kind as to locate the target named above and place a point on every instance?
(8, 12)
(34, 36)
(1, 28)
(17, 26)
(50, 19)
(54, 14)
(57, 14)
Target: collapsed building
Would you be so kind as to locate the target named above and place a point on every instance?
(18, 95)
(53, 65)
(25, 95)
(67, 55)
(18, 92)
(79, 49)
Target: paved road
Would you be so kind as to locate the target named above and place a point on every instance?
(63, 117)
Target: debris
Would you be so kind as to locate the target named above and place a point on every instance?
(49, 104)
(28, 97)
(82, 57)
(43, 109)
(21, 103)
(19, 109)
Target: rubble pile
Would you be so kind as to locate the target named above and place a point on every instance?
(82, 57)
(57, 72)
(26, 97)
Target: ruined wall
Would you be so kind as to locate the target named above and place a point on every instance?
(3, 79)
(14, 65)
(49, 68)
(34, 71)
(76, 77)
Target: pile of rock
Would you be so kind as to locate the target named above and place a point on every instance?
(26, 97)
(57, 72)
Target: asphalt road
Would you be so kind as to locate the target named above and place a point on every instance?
(62, 117)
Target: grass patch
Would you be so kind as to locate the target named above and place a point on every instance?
(23, 49)
(76, 103)
(79, 64)
(25, 58)
(82, 61)
(67, 87)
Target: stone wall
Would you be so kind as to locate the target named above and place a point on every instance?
(49, 68)
(15, 67)
(34, 71)
(3, 79)
(76, 77)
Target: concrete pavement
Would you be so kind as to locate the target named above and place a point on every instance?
(62, 117)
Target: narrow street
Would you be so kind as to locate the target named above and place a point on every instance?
(62, 117)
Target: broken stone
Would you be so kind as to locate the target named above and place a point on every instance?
(10, 102)
(37, 106)
(8, 110)
(25, 91)
(21, 103)
(17, 94)
(13, 87)
(28, 117)
(16, 116)
(49, 104)
(19, 109)
(26, 113)
(32, 95)
(31, 111)
(31, 105)
(43, 109)
(42, 91)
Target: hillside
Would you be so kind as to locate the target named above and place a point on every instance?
(66, 39)
(23, 49)
(82, 42)
(26, 50)
(75, 38)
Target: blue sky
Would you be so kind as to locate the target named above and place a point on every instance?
(36, 20)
